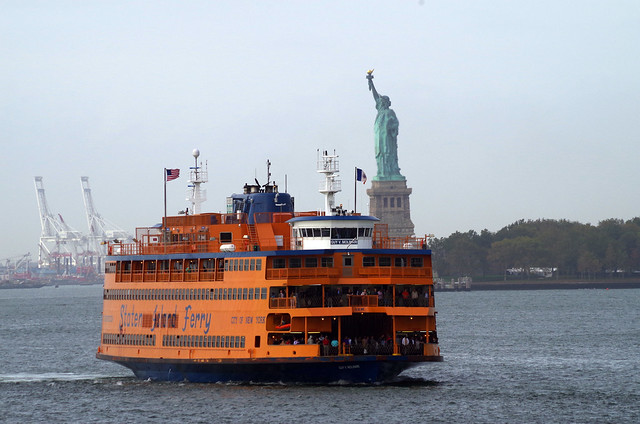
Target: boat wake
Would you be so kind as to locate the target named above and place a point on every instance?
(51, 377)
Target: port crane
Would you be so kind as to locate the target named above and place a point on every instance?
(100, 229)
(59, 243)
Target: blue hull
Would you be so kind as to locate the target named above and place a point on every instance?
(323, 370)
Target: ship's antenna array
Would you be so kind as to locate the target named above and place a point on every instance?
(198, 175)
(329, 166)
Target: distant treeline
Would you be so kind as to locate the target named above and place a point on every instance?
(526, 249)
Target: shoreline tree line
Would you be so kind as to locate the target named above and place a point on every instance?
(543, 248)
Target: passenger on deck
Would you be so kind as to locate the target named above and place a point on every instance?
(405, 297)
(325, 345)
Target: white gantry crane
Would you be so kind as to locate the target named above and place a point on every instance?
(59, 243)
(100, 229)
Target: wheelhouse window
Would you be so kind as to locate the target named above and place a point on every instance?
(326, 262)
(417, 262)
(279, 263)
(226, 237)
(311, 262)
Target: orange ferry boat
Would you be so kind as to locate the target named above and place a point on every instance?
(266, 294)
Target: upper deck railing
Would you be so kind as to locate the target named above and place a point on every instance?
(192, 234)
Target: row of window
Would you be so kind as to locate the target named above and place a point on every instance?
(398, 261)
(243, 264)
(392, 202)
(203, 341)
(334, 233)
(298, 262)
(163, 265)
(187, 294)
(129, 339)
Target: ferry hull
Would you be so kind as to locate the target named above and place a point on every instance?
(364, 369)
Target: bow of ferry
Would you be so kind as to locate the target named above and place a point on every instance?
(266, 294)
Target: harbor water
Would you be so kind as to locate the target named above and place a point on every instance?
(538, 356)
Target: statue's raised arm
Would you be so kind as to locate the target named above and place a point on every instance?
(372, 88)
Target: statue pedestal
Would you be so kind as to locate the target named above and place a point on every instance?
(389, 201)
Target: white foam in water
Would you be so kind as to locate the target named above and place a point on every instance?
(52, 376)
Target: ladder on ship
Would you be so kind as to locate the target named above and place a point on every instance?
(254, 240)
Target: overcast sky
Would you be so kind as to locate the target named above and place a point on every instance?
(508, 110)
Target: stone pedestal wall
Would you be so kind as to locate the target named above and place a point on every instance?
(389, 201)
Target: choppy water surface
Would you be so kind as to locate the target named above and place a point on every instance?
(510, 356)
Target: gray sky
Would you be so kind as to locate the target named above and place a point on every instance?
(508, 109)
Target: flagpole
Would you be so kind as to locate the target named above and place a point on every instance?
(164, 223)
(355, 191)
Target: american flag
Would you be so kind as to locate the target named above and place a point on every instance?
(172, 174)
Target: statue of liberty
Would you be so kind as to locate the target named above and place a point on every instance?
(386, 137)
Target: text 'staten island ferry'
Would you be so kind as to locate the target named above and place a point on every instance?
(266, 294)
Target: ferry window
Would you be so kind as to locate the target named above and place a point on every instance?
(234, 295)
(258, 264)
(417, 262)
(246, 264)
(316, 232)
(235, 264)
(207, 264)
(400, 261)
(295, 263)
(226, 264)
(217, 341)
(252, 265)
(384, 261)
(226, 237)
(226, 341)
(368, 261)
(251, 294)
(344, 233)
(177, 265)
(244, 294)
(110, 268)
(242, 341)
(264, 293)
(215, 294)
(398, 202)
(311, 262)
(326, 232)
(257, 341)
(279, 263)
(237, 341)
(126, 266)
(224, 295)
(163, 265)
(326, 262)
